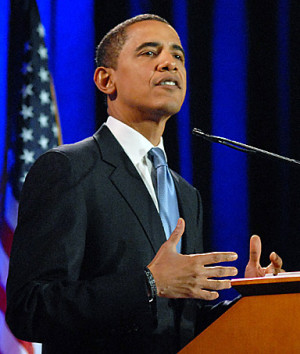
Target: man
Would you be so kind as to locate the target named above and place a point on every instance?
(91, 270)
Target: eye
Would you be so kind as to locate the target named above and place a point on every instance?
(179, 57)
(149, 53)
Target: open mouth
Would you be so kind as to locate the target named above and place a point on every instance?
(168, 82)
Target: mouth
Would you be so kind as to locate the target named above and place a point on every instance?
(168, 83)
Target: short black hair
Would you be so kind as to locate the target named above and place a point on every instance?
(109, 48)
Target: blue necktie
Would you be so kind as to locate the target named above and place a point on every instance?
(166, 193)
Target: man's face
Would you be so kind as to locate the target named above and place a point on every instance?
(150, 78)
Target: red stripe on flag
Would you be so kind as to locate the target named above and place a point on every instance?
(6, 235)
(2, 299)
(27, 346)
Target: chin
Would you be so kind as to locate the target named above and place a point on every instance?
(170, 108)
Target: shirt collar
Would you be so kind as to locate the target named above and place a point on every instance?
(135, 145)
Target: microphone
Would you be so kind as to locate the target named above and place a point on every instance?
(242, 147)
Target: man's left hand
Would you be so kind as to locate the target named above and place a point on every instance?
(253, 268)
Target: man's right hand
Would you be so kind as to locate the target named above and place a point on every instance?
(188, 276)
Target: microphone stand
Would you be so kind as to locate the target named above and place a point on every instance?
(242, 147)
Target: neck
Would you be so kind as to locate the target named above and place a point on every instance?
(150, 126)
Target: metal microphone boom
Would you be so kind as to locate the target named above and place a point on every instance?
(242, 147)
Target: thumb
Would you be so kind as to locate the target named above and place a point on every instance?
(177, 233)
(255, 250)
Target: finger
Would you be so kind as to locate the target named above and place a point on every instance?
(276, 260)
(219, 272)
(177, 233)
(201, 294)
(275, 266)
(208, 295)
(271, 270)
(212, 284)
(255, 250)
(214, 257)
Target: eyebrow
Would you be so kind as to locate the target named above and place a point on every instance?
(157, 44)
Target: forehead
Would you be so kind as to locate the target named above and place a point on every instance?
(151, 31)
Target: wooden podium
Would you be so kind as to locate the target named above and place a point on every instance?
(265, 320)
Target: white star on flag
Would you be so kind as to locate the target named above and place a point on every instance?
(52, 108)
(43, 52)
(27, 68)
(28, 156)
(41, 30)
(27, 90)
(44, 97)
(43, 142)
(27, 111)
(43, 74)
(26, 135)
(55, 130)
(43, 120)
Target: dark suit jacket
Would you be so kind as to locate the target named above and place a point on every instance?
(87, 228)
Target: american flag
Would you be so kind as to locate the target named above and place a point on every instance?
(32, 129)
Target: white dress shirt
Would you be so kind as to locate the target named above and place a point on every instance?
(136, 146)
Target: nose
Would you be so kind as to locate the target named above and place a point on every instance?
(167, 62)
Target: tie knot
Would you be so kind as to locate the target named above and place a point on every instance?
(158, 157)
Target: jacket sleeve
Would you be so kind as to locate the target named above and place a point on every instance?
(46, 295)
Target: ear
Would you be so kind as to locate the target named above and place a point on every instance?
(103, 79)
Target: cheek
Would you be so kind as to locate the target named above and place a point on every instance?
(136, 81)
(184, 86)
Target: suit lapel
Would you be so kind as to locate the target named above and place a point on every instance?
(128, 182)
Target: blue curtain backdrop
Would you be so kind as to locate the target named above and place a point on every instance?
(243, 74)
